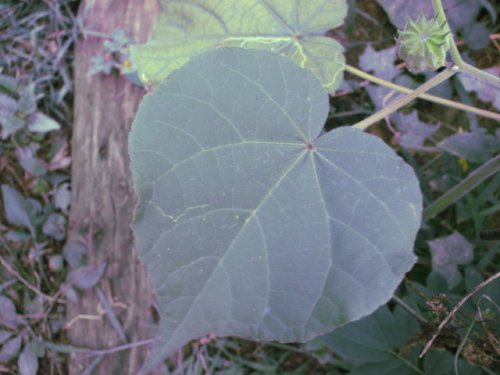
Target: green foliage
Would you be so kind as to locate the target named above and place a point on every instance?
(115, 56)
(376, 343)
(293, 28)
(36, 40)
(18, 109)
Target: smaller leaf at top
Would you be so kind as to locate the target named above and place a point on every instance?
(10, 349)
(5, 335)
(294, 28)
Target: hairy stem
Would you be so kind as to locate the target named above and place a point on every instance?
(393, 107)
(455, 54)
(435, 99)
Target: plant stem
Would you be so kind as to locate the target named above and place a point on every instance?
(408, 308)
(132, 345)
(462, 344)
(435, 99)
(470, 182)
(455, 309)
(391, 108)
(37, 291)
(85, 352)
(455, 54)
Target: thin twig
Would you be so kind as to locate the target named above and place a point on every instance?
(462, 344)
(113, 319)
(391, 108)
(454, 311)
(435, 99)
(93, 353)
(37, 291)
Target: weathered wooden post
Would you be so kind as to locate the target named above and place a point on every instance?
(103, 200)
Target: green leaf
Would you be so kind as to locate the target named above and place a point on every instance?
(380, 62)
(55, 226)
(251, 222)
(8, 313)
(41, 123)
(491, 291)
(86, 277)
(16, 208)
(28, 362)
(391, 366)
(442, 362)
(477, 36)
(485, 91)
(413, 132)
(476, 146)
(9, 122)
(375, 337)
(5, 335)
(448, 253)
(294, 28)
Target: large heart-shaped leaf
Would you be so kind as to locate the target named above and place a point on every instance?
(293, 27)
(251, 222)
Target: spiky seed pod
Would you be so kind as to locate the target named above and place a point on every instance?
(423, 44)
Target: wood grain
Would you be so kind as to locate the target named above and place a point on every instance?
(103, 198)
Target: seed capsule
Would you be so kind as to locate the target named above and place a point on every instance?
(423, 44)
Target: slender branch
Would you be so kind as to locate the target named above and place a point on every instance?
(435, 99)
(455, 309)
(391, 108)
(462, 344)
(113, 319)
(37, 291)
(85, 352)
(455, 54)
(93, 353)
